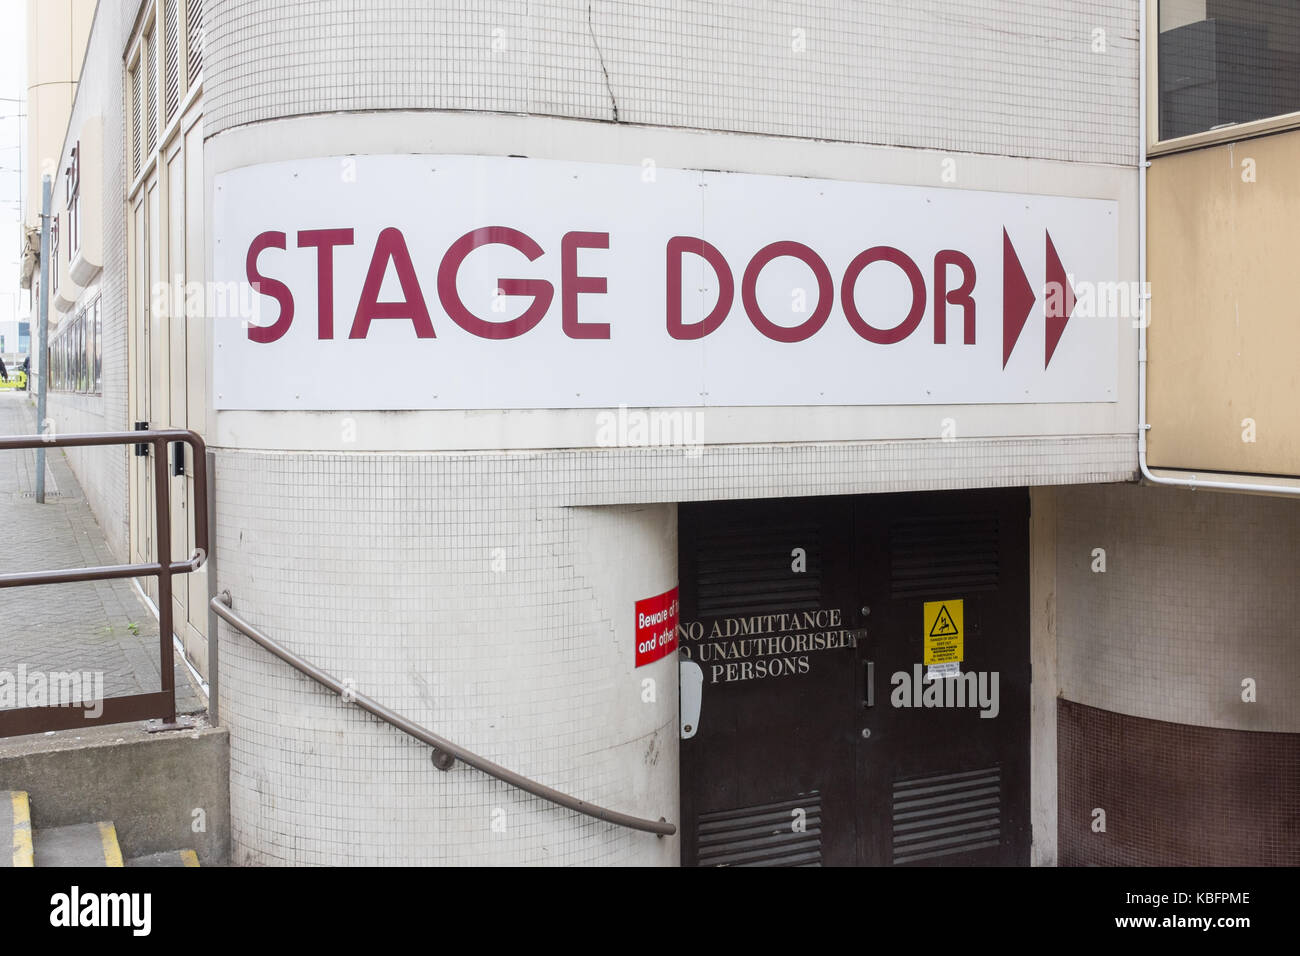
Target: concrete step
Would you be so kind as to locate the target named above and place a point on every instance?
(80, 844)
(161, 790)
(166, 858)
(15, 829)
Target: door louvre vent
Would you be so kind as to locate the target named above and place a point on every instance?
(171, 74)
(746, 570)
(763, 835)
(941, 554)
(194, 37)
(944, 814)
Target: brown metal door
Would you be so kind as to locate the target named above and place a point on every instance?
(768, 777)
(943, 765)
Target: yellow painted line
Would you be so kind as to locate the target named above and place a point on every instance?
(108, 837)
(189, 858)
(22, 830)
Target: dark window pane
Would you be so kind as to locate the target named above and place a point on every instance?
(1223, 62)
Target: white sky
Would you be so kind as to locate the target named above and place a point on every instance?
(13, 94)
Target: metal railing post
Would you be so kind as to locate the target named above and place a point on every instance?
(163, 549)
(214, 623)
(42, 336)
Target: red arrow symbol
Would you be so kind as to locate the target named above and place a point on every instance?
(1060, 301)
(1017, 298)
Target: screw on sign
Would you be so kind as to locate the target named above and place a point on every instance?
(656, 627)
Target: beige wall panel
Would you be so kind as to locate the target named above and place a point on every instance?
(1224, 230)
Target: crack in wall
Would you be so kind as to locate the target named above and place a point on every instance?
(596, 43)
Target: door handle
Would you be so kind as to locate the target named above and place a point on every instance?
(869, 677)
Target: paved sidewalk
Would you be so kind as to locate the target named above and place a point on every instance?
(102, 627)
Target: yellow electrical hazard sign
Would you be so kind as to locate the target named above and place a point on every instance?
(943, 631)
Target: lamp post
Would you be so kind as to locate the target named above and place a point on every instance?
(41, 329)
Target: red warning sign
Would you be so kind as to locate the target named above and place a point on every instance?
(656, 627)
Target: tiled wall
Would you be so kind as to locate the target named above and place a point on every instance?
(1195, 610)
(456, 591)
(1137, 792)
(715, 473)
(1011, 77)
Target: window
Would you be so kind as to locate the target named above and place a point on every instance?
(54, 254)
(97, 357)
(76, 353)
(1225, 62)
(72, 180)
(79, 350)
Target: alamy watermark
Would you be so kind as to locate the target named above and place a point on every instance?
(1099, 300)
(650, 428)
(74, 908)
(208, 300)
(24, 688)
(971, 689)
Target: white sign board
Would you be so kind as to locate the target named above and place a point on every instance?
(407, 282)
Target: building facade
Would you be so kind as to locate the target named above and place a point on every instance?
(724, 414)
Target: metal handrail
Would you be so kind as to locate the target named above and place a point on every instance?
(450, 752)
(161, 704)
